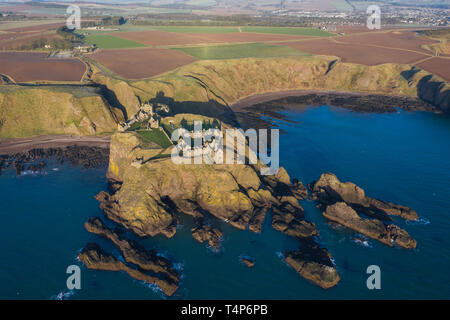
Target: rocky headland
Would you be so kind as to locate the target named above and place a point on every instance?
(147, 199)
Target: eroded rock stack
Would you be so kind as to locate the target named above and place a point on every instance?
(341, 202)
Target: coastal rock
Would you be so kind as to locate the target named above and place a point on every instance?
(94, 257)
(299, 190)
(83, 156)
(343, 214)
(329, 190)
(313, 263)
(133, 252)
(249, 262)
(206, 233)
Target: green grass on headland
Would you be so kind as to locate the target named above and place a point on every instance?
(237, 51)
(156, 136)
(289, 31)
(111, 42)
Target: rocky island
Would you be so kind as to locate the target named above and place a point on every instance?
(340, 203)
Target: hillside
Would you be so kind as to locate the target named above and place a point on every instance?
(33, 111)
(205, 87)
(228, 81)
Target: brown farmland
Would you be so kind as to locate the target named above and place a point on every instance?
(408, 40)
(28, 67)
(357, 53)
(17, 42)
(162, 38)
(438, 66)
(141, 63)
(37, 28)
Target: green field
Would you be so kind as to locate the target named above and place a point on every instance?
(195, 29)
(342, 5)
(156, 136)
(105, 41)
(237, 51)
(289, 31)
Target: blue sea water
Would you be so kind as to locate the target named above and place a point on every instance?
(401, 157)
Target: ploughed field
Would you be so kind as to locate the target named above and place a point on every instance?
(13, 38)
(141, 63)
(31, 66)
(357, 53)
(407, 40)
(163, 38)
(438, 66)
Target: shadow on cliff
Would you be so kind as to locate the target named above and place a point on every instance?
(211, 108)
(430, 90)
(111, 97)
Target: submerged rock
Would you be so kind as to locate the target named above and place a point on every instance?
(388, 234)
(94, 257)
(249, 262)
(329, 190)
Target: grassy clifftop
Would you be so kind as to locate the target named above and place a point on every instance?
(227, 81)
(203, 87)
(26, 112)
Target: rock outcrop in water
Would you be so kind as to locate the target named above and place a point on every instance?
(147, 199)
(203, 232)
(94, 257)
(340, 203)
(373, 228)
(134, 253)
(329, 190)
(313, 263)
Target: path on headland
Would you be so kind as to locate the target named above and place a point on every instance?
(11, 146)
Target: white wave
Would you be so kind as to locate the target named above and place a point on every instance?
(420, 221)
(63, 295)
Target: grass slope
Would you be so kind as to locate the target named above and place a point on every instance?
(111, 42)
